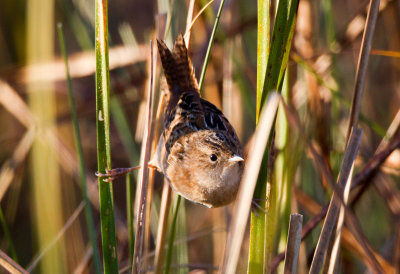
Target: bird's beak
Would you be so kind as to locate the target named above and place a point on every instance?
(236, 158)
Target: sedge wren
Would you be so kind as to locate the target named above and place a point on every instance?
(198, 151)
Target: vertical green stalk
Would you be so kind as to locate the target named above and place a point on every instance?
(182, 248)
(210, 44)
(281, 43)
(271, 66)
(108, 238)
(283, 170)
(82, 174)
(168, 257)
(257, 220)
(263, 46)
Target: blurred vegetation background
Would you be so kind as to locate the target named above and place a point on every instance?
(43, 226)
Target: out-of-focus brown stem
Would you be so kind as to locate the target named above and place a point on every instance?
(359, 179)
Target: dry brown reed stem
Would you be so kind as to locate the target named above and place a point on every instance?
(349, 241)
(293, 243)
(166, 194)
(7, 171)
(355, 111)
(391, 131)
(14, 104)
(245, 195)
(334, 206)
(10, 265)
(390, 194)
(368, 170)
(143, 179)
(356, 24)
(190, 22)
(363, 64)
(167, 191)
(162, 227)
(320, 165)
(358, 180)
(81, 64)
(165, 198)
(151, 172)
(384, 184)
(160, 23)
(294, 120)
(375, 162)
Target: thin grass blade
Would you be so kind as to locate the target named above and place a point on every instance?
(82, 173)
(210, 44)
(245, 195)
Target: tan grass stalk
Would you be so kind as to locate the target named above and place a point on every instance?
(7, 171)
(363, 64)
(10, 265)
(349, 240)
(245, 195)
(143, 177)
(354, 114)
(54, 241)
(293, 243)
(334, 206)
(81, 64)
(14, 104)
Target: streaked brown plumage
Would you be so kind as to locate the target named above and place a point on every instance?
(198, 151)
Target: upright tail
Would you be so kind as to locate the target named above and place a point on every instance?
(177, 66)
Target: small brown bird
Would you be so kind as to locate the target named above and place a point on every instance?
(198, 151)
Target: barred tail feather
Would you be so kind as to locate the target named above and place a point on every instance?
(177, 66)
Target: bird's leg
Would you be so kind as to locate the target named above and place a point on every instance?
(255, 206)
(118, 172)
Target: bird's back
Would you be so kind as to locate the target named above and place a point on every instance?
(186, 112)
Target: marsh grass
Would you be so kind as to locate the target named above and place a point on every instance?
(107, 219)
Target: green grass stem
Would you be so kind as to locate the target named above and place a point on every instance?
(281, 42)
(168, 256)
(263, 46)
(108, 237)
(257, 220)
(210, 44)
(272, 62)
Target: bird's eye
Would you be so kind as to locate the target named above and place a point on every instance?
(213, 157)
